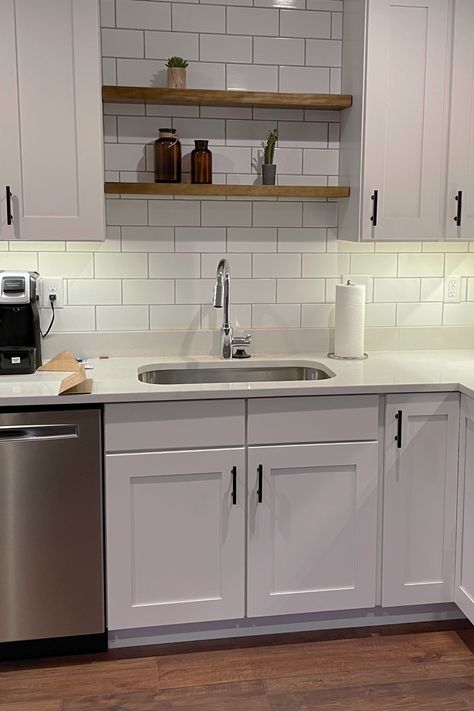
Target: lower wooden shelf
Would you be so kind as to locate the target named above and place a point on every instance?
(306, 191)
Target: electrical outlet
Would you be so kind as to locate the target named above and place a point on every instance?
(452, 289)
(52, 285)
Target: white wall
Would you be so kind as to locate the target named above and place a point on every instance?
(155, 271)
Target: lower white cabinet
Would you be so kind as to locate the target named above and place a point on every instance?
(312, 527)
(420, 485)
(175, 537)
(464, 593)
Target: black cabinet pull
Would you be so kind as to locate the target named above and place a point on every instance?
(9, 205)
(398, 437)
(458, 218)
(375, 209)
(234, 485)
(260, 484)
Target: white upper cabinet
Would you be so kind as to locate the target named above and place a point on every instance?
(420, 484)
(460, 186)
(393, 148)
(51, 120)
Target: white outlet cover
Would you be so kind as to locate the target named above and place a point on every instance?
(452, 289)
(52, 285)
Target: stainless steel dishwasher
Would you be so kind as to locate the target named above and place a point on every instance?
(51, 533)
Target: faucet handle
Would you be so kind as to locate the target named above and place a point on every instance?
(242, 340)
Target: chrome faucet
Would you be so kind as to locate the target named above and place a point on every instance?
(221, 299)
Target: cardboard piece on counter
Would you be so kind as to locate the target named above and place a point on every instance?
(63, 362)
(75, 383)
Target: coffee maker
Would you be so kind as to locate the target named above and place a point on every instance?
(20, 335)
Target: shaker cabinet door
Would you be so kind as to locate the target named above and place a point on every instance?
(406, 108)
(312, 527)
(51, 121)
(464, 593)
(420, 484)
(175, 537)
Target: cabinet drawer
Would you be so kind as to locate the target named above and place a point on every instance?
(313, 419)
(173, 425)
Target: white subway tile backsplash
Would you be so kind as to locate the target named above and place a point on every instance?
(109, 71)
(300, 291)
(317, 315)
(320, 162)
(206, 75)
(252, 239)
(377, 265)
(241, 316)
(432, 289)
(307, 134)
(124, 156)
(122, 43)
(189, 129)
(200, 239)
(260, 21)
(65, 264)
(148, 291)
(417, 314)
(276, 265)
(277, 214)
(226, 214)
(304, 79)
(70, 319)
(176, 317)
(122, 318)
(194, 291)
(94, 291)
(147, 239)
(129, 265)
(278, 50)
(253, 291)
(181, 213)
(323, 53)
(462, 264)
(394, 290)
(174, 266)
(225, 48)
(276, 315)
(21, 260)
(319, 214)
(295, 23)
(141, 72)
(336, 25)
(198, 18)
(380, 315)
(107, 13)
(143, 14)
(325, 265)
(126, 212)
(252, 78)
(427, 265)
(458, 314)
(161, 45)
(28, 246)
(301, 239)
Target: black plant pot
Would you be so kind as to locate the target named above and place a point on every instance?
(268, 173)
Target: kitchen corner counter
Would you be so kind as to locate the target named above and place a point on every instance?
(116, 379)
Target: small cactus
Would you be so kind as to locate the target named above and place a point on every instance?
(269, 146)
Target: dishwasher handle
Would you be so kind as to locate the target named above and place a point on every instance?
(38, 432)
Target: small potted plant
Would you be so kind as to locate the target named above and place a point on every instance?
(176, 72)
(269, 167)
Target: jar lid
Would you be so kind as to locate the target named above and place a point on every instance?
(167, 130)
(201, 143)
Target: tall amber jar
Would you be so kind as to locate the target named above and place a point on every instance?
(201, 163)
(167, 157)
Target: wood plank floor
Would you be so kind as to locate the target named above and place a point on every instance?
(432, 671)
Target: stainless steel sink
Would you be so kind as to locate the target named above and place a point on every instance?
(250, 374)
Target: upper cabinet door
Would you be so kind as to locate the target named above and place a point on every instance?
(50, 123)
(460, 193)
(405, 119)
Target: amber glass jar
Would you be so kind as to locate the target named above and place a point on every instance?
(167, 157)
(201, 163)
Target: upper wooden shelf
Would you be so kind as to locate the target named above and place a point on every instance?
(208, 97)
(309, 191)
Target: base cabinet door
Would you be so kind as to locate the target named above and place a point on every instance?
(311, 527)
(175, 537)
(420, 484)
(464, 593)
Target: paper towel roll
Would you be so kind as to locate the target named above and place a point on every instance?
(350, 320)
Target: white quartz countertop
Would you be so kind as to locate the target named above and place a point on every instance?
(116, 379)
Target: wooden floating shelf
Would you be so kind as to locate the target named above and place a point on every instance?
(308, 191)
(208, 97)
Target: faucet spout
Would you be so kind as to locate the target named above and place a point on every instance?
(221, 300)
